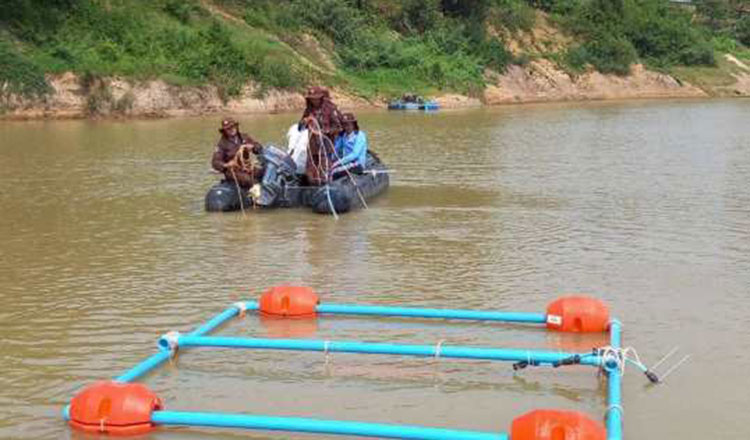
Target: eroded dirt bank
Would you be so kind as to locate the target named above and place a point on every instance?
(539, 81)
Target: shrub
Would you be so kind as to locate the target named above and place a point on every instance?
(616, 31)
(513, 15)
(19, 75)
(611, 54)
(742, 30)
(495, 55)
(576, 58)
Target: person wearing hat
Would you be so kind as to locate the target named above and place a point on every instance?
(235, 155)
(351, 148)
(323, 121)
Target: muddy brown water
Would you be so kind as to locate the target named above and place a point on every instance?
(104, 245)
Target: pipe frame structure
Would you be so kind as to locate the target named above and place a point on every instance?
(297, 424)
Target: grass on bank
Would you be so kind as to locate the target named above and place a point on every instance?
(374, 47)
(170, 39)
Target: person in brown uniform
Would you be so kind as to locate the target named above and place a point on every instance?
(323, 120)
(235, 155)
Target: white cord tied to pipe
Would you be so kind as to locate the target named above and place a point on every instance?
(172, 340)
(612, 359)
(326, 345)
(241, 308)
(614, 407)
(616, 358)
(438, 347)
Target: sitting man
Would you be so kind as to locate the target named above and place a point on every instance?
(351, 148)
(235, 155)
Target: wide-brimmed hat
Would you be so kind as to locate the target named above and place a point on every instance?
(316, 92)
(350, 118)
(228, 123)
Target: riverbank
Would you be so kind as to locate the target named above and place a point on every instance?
(127, 59)
(538, 81)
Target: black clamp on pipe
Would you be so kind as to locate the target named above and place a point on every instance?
(523, 364)
(572, 360)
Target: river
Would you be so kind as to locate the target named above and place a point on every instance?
(104, 245)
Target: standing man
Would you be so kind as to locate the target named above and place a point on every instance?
(323, 120)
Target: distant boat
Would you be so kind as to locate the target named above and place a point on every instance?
(401, 105)
(411, 101)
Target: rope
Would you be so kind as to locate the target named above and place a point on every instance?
(330, 202)
(438, 347)
(354, 182)
(317, 131)
(172, 342)
(239, 192)
(327, 354)
(241, 308)
(616, 407)
(609, 355)
(621, 356)
(244, 165)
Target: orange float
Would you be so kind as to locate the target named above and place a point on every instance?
(578, 314)
(114, 408)
(547, 424)
(289, 301)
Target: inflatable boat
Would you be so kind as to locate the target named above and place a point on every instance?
(402, 105)
(282, 187)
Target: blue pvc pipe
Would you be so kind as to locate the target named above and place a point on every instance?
(160, 357)
(144, 367)
(498, 354)
(614, 391)
(222, 318)
(344, 309)
(299, 424)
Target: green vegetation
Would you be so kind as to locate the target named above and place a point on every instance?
(616, 33)
(144, 40)
(18, 75)
(383, 47)
(374, 47)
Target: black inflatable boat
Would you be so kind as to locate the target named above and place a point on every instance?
(281, 188)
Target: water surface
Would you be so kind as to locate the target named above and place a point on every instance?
(104, 245)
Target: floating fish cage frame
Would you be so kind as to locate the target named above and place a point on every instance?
(121, 407)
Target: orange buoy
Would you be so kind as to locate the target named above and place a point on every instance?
(578, 314)
(548, 424)
(289, 301)
(114, 408)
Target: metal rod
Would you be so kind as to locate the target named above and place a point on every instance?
(614, 391)
(498, 354)
(299, 424)
(344, 309)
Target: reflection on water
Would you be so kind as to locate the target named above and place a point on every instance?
(105, 246)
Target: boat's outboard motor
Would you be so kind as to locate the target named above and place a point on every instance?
(279, 171)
